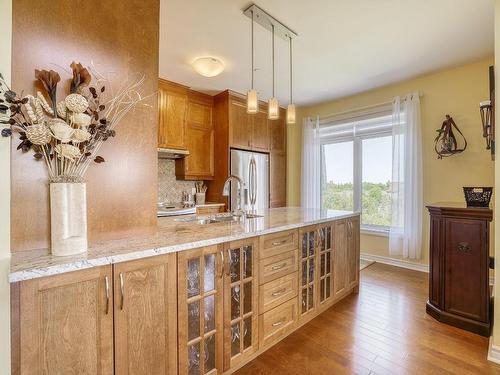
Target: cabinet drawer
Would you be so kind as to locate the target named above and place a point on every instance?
(277, 266)
(278, 243)
(278, 291)
(277, 322)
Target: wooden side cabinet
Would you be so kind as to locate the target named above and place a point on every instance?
(65, 323)
(172, 107)
(459, 273)
(145, 303)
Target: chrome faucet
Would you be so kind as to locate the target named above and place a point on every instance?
(239, 187)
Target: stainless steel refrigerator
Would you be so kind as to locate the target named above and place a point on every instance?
(253, 169)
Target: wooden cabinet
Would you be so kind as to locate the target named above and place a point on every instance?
(66, 323)
(241, 298)
(325, 264)
(353, 228)
(340, 259)
(307, 271)
(172, 106)
(218, 307)
(240, 125)
(260, 140)
(199, 164)
(459, 250)
(235, 128)
(277, 189)
(145, 316)
(200, 310)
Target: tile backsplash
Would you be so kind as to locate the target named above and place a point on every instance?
(170, 189)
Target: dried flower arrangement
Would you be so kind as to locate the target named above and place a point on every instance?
(67, 134)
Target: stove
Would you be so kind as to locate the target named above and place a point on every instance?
(166, 209)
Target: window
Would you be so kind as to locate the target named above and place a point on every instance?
(357, 166)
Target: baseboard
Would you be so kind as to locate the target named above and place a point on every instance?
(493, 352)
(395, 262)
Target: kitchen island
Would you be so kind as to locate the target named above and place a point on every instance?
(188, 299)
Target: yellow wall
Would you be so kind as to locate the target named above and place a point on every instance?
(457, 92)
(5, 47)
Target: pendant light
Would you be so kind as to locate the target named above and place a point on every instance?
(252, 100)
(290, 111)
(273, 112)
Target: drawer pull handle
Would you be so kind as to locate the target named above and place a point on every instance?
(278, 267)
(279, 323)
(122, 291)
(277, 243)
(463, 246)
(279, 292)
(106, 280)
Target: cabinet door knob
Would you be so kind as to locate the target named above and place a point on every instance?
(463, 246)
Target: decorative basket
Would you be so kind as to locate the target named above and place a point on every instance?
(477, 196)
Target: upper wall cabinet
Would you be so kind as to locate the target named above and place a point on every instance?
(199, 140)
(172, 105)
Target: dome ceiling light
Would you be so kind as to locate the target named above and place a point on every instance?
(208, 66)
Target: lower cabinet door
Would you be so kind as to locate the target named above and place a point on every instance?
(353, 252)
(325, 267)
(200, 310)
(308, 240)
(66, 323)
(340, 259)
(145, 316)
(241, 299)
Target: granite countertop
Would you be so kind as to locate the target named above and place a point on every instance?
(170, 236)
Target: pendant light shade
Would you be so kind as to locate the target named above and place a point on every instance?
(290, 114)
(252, 99)
(273, 112)
(252, 102)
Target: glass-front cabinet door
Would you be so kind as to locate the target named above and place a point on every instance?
(200, 277)
(325, 254)
(308, 238)
(240, 302)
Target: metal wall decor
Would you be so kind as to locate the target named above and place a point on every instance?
(446, 142)
(487, 110)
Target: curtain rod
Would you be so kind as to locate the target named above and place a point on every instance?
(363, 108)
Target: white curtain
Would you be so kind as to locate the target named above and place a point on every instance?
(311, 164)
(405, 236)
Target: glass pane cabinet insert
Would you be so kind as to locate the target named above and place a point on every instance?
(325, 264)
(308, 241)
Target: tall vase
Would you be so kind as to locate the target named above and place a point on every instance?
(68, 218)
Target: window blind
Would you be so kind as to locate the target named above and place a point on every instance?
(360, 123)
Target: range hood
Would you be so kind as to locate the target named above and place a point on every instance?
(171, 153)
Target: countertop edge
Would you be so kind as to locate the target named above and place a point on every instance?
(38, 272)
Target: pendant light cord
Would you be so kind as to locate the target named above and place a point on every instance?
(252, 49)
(291, 87)
(273, 60)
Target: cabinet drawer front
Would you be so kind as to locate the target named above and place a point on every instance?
(275, 267)
(278, 291)
(277, 322)
(278, 243)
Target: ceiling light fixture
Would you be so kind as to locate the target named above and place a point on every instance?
(208, 66)
(273, 111)
(252, 99)
(290, 111)
(260, 16)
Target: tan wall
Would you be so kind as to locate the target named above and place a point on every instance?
(5, 66)
(457, 92)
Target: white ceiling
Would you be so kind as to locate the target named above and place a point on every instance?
(343, 47)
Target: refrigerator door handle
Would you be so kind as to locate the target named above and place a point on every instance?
(253, 181)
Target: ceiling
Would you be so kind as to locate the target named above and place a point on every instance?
(344, 46)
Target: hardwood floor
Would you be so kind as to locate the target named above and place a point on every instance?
(383, 330)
